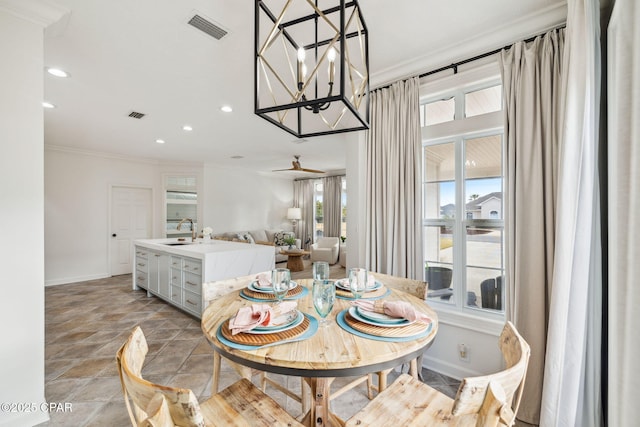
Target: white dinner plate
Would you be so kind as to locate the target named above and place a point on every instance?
(354, 313)
(253, 287)
(261, 330)
(344, 285)
(380, 317)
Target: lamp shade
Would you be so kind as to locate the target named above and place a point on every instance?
(294, 213)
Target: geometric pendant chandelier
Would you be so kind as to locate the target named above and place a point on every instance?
(312, 66)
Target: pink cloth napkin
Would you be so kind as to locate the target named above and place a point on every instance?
(263, 280)
(400, 309)
(248, 318)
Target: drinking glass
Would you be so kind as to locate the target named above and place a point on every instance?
(324, 296)
(320, 270)
(280, 280)
(358, 281)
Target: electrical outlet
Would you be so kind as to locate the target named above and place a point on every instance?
(463, 352)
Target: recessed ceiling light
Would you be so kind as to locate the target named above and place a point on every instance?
(237, 157)
(226, 108)
(187, 128)
(46, 104)
(57, 72)
(160, 141)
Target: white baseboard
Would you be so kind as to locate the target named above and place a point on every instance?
(449, 369)
(66, 280)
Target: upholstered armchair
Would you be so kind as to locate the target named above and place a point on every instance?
(326, 249)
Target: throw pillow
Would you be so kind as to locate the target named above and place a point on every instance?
(280, 236)
(259, 235)
(247, 236)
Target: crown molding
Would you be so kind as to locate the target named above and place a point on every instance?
(40, 12)
(113, 156)
(494, 38)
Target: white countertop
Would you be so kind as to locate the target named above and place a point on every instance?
(199, 248)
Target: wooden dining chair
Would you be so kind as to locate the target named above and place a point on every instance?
(216, 289)
(150, 404)
(486, 401)
(416, 288)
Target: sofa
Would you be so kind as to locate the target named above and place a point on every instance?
(268, 237)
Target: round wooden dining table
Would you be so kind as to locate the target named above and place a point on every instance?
(331, 352)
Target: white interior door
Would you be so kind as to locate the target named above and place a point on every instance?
(130, 220)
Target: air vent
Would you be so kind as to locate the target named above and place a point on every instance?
(208, 27)
(136, 115)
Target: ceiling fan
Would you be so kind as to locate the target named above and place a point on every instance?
(297, 167)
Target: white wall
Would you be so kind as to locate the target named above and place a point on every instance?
(21, 216)
(241, 200)
(77, 197)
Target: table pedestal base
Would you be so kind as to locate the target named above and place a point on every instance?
(319, 414)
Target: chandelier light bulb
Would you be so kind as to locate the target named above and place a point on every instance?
(301, 54)
(331, 55)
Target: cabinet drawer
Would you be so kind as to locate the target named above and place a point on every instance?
(176, 294)
(141, 253)
(176, 262)
(175, 277)
(192, 265)
(142, 280)
(192, 302)
(192, 282)
(142, 264)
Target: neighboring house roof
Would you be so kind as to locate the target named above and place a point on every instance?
(475, 204)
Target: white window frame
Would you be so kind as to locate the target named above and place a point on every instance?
(457, 131)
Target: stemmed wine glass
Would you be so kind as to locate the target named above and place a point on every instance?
(324, 296)
(320, 270)
(280, 281)
(358, 281)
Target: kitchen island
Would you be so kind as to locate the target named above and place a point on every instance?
(175, 270)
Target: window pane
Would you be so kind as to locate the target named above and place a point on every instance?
(483, 101)
(439, 111)
(439, 181)
(484, 264)
(439, 262)
(483, 172)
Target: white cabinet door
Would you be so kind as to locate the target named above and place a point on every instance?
(163, 275)
(153, 271)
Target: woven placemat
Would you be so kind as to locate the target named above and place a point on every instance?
(269, 295)
(381, 291)
(263, 339)
(381, 331)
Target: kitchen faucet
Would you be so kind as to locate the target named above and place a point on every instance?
(193, 230)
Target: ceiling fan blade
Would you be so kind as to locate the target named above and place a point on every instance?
(281, 170)
(311, 170)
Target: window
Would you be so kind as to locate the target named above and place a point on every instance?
(181, 199)
(318, 197)
(318, 217)
(463, 180)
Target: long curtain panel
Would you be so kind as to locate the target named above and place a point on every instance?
(393, 236)
(623, 76)
(331, 192)
(571, 393)
(531, 75)
(303, 199)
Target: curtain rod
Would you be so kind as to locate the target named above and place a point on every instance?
(455, 65)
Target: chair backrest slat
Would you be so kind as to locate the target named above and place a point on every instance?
(182, 403)
(472, 391)
(413, 287)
